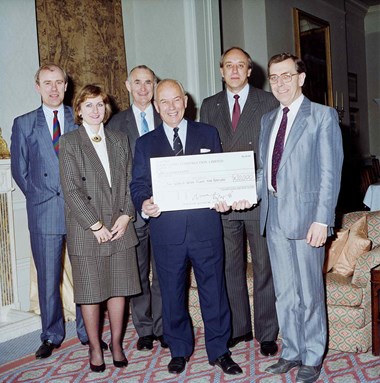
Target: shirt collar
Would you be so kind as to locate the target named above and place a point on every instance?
(91, 134)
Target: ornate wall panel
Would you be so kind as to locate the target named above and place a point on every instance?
(86, 38)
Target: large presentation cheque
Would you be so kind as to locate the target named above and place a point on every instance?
(201, 180)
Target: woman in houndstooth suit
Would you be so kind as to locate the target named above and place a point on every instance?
(95, 167)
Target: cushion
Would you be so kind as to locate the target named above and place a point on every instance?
(357, 244)
(334, 249)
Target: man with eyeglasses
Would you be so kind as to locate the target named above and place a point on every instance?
(236, 112)
(300, 162)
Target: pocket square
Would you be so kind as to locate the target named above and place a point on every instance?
(205, 150)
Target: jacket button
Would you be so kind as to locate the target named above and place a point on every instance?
(88, 197)
(58, 193)
(45, 174)
(83, 178)
(121, 210)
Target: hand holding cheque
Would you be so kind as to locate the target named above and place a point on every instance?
(219, 181)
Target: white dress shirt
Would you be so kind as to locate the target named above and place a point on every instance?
(49, 116)
(100, 148)
(293, 110)
(182, 132)
(149, 117)
(243, 95)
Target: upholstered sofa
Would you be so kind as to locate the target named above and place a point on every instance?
(349, 298)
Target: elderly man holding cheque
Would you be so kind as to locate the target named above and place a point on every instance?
(184, 236)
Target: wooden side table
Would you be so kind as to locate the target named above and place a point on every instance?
(375, 295)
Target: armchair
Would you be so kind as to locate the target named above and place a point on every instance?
(349, 298)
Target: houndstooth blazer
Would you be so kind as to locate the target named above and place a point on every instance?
(88, 196)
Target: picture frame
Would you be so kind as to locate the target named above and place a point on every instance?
(312, 46)
(352, 87)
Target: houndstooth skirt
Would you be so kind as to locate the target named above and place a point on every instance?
(98, 278)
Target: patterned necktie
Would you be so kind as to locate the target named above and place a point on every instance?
(56, 132)
(144, 124)
(235, 112)
(279, 147)
(177, 143)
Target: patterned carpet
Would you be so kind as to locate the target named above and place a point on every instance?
(69, 364)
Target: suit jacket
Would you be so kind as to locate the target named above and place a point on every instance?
(35, 169)
(215, 111)
(170, 227)
(125, 122)
(308, 179)
(88, 195)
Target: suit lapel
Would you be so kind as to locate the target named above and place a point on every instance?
(299, 127)
(156, 118)
(161, 142)
(247, 116)
(192, 139)
(223, 117)
(69, 120)
(113, 157)
(267, 135)
(45, 139)
(133, 132)
(90, 152)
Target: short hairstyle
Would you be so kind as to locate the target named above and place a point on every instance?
(51, 67)
(90, 91)
(143, 67)
(300, 65)
(250, 62)
(171, 81)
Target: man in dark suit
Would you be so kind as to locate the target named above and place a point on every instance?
(236, 113)
(300, 163)
(135, 121)
(35, 168)
(181, 237)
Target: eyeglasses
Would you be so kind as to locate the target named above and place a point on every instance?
(285, 77)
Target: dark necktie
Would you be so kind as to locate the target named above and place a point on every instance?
(144, 124)
(177, 143)
(235, 112)
(56, 131)
(279, 147)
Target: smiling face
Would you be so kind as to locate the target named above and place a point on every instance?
(288, 92)
(51, 86)
(92, 110)
(170, 102)
(141, 85)
(235, 70)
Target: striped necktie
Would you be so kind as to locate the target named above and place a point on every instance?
(56, 132)
(177, 143)
(144, 124)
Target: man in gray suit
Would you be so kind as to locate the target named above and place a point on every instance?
(300, 161)
(35, 168)
(135, 121)
(239, 132)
